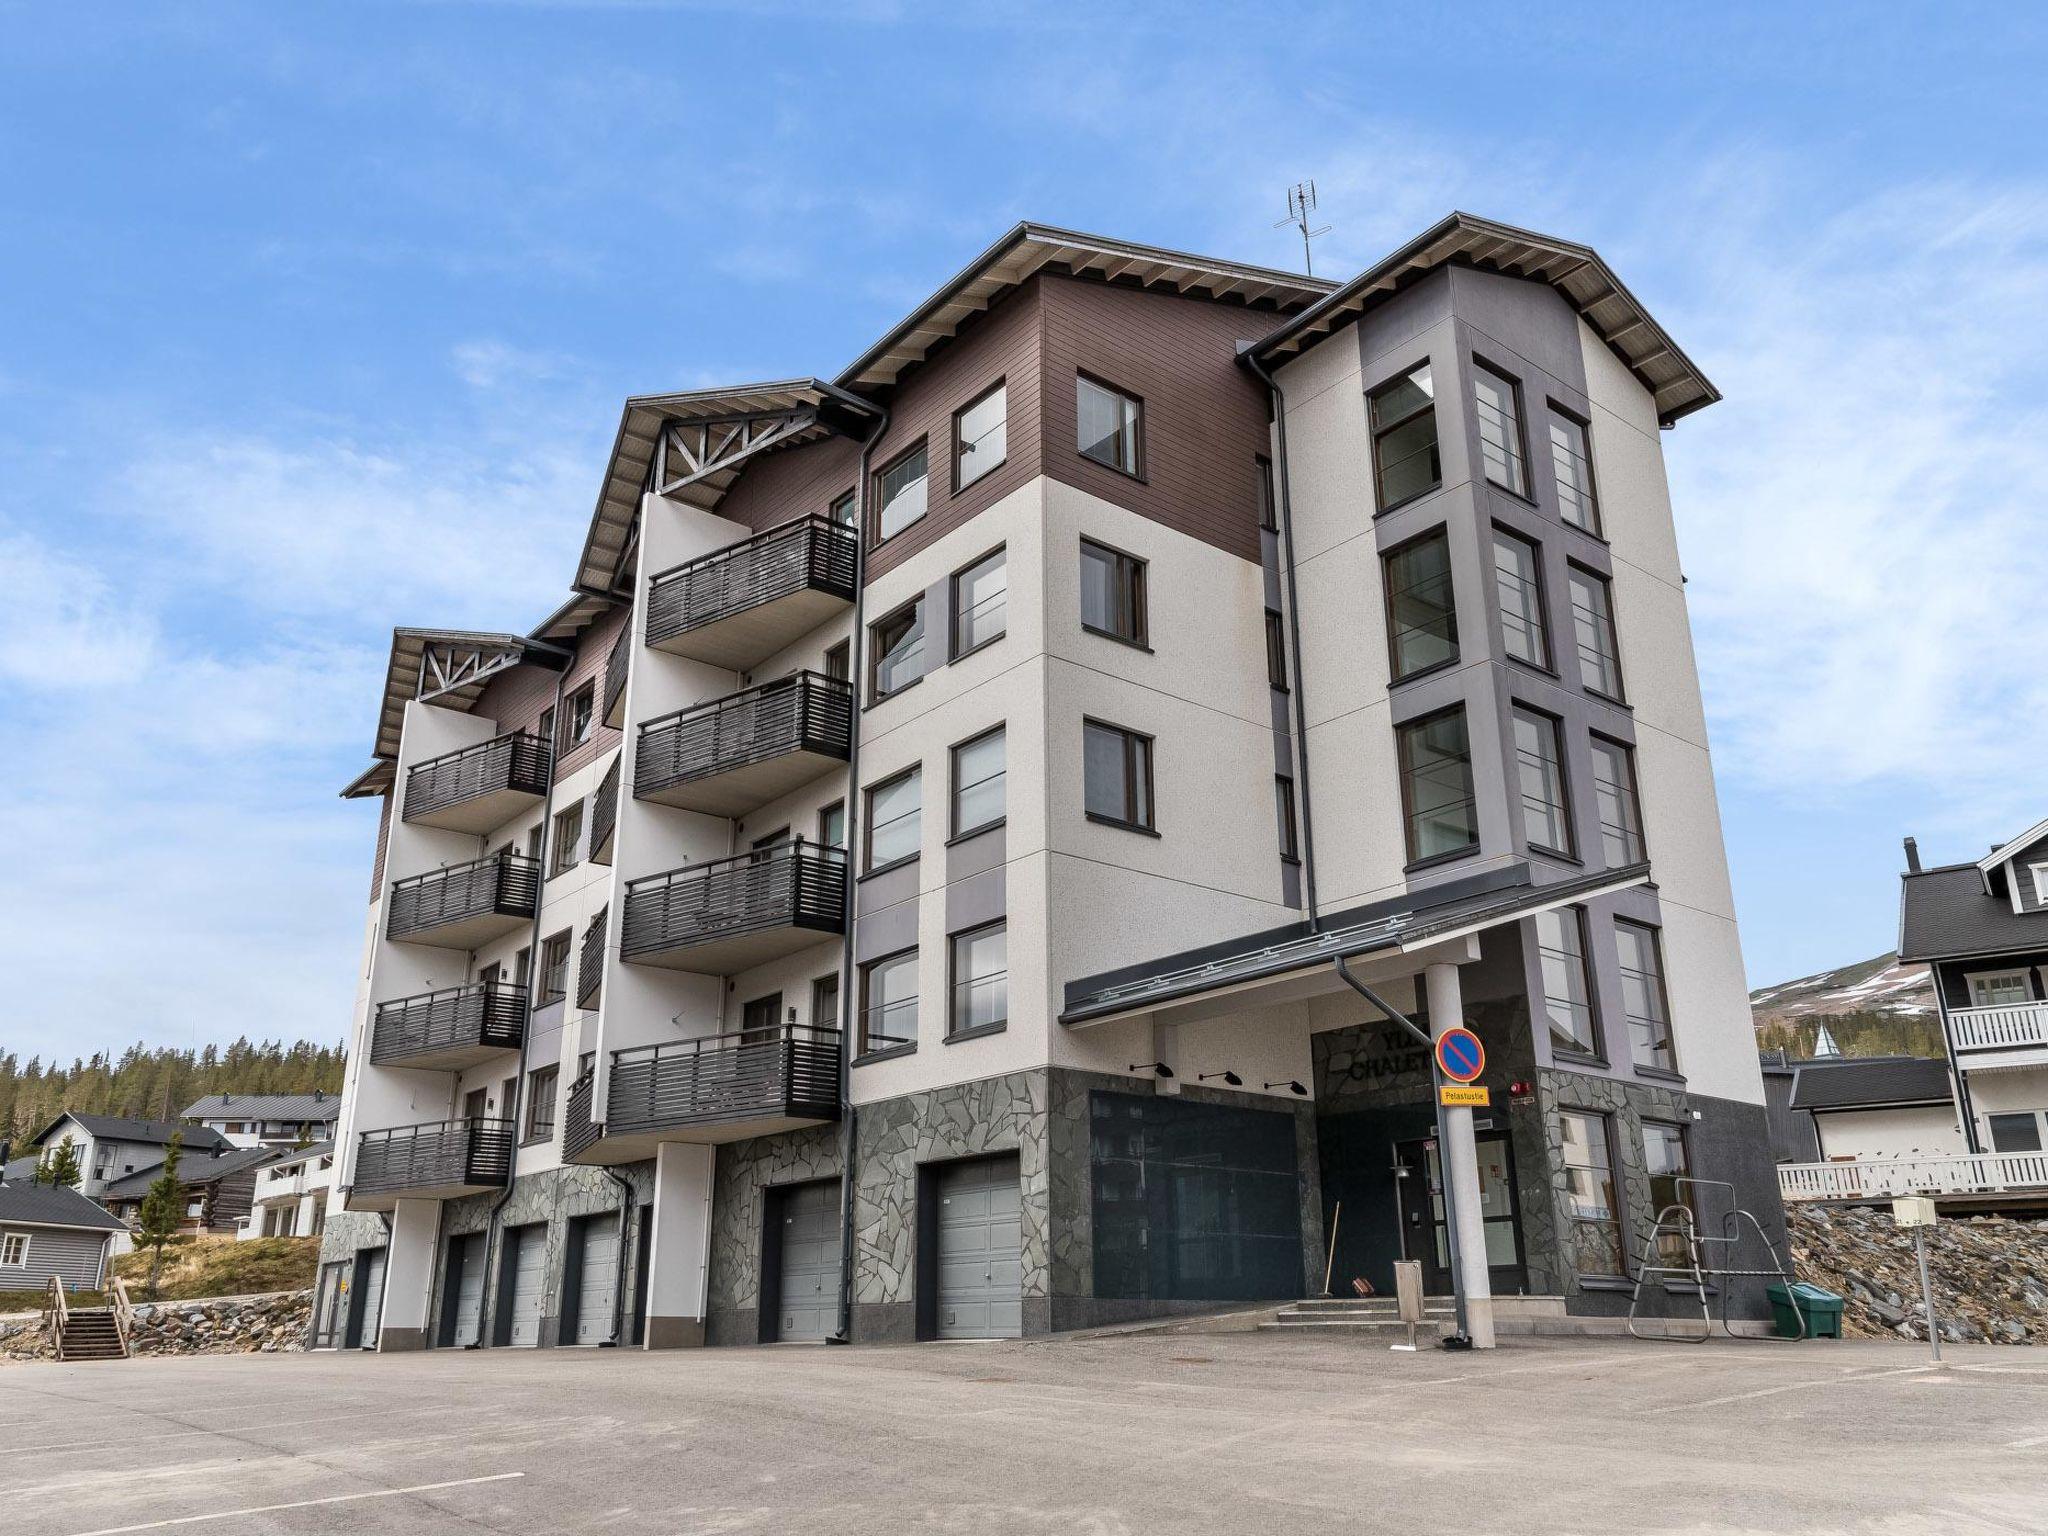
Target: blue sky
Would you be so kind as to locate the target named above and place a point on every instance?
(315, 319)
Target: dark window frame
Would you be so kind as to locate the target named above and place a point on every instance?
(1597, 529)
(954, 1030)
(821, 987)
(954, 831)
(1416, 858)
(1640, 1055)
(1519, 404)
(1276, 650)
(1379, 431)
(1617, 1201)
(1000, 385)
(1285, 811)
(582, 701)
(562, 855)
(1138, 457)
(543, 1085)
(898, 1046)
(1269, 506)
(958, 652)
(921, 446)
(1546, 662)
(867, 835)
(824, 811)
(1440, 534)
(848, 499)
(1632, 783)
(1553, 728)
(1593, 1047)
(543, 997)
(1139, 593)
(1605, 586)
(877, 653)
(1131, 777)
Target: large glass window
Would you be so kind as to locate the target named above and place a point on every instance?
(1571, 459)
(1539, 769)
(1422, 618)
(1405, 460)
(564, 847)
(893, 807)
(978, 782)
(1999, 989)
(1567, 982)
(981, 604)
(1665, 1159)
(1614, 794)
(554, 969)
(1497, 399)
(1644, 1002)
(1111, 425)
(1589, 1187)
(981, 980)
(1436, 785)
(2015, 1132)
(1112, 593)
(896, 650)
(900, 493)
(1593, 628)
(1117, 768)
(888, 1002)
(979, 438)
(1517, 578)
(541, 1084)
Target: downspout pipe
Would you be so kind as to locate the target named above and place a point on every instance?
(856, 666)
(1284, 501)
(619, 1277)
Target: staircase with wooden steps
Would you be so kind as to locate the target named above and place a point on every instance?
(1361, 1314)
(91, 1333)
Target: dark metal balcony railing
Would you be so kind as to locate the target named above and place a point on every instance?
(787, 1071)
(792, 886)
(809, 554)
(604, 813)
(579, 1131)
(446, 1155)
(516, 763)
(455, 1022)
(808, 712)
(590, 962)
(615, 677)
(465, 902)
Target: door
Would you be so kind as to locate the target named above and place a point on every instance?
(476, 1103)
(373, 1299)
(469, 1289)
(330, 1307)
(598, 1279)
(1422, 1214)
(807, 1234)
(980, 1231)
(529, 1260)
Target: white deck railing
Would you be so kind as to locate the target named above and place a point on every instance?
(2013, 1024)
(1884, 1178)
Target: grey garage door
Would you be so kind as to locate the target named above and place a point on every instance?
(809, 1216)
(981, 1251)
(373, 1299)
(469, 1289)
(529, 1261)
(598, 1279)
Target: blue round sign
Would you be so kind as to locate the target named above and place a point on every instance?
(1459, 1055)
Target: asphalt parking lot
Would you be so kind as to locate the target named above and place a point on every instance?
(1219, 1433)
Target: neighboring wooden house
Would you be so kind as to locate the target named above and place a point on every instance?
(111, 1147)
(267, 1119)
(47, 1231)
(219, 1187)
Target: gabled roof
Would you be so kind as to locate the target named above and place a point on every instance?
(44, 1205)
(410, 673)
(1946, 914)
(2020, 844)
(143, 1132)
(194, 1172)
(1870, 1082)
(1575, 271)
(265, 1106)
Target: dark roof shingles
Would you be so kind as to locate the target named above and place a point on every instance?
(1870, 1082)
(1945, 913)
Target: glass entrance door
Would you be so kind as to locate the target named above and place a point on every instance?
(1422, 1214)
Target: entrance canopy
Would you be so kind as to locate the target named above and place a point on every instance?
(1295, 961)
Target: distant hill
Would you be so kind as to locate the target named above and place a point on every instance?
(1877, 1007)
(145, 1081)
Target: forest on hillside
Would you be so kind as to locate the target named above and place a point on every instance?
(156, 1082)
(1856, 1034)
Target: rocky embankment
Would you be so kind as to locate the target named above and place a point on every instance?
(1990, 1273)
(218, 1325)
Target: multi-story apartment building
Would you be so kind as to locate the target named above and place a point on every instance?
(266, 1119)
(901, 892)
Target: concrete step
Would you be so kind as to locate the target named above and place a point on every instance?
(1428, 1327)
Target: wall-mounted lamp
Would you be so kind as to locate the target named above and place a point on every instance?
(1229, 1077)
(1292, 1087)
(1157, 1068)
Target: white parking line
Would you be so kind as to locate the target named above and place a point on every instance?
(267, 1509)
(1793, 1386)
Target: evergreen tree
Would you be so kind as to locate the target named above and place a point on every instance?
(163, 1210)
(60, 1168)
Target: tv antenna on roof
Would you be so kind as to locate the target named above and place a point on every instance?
(1301, 202)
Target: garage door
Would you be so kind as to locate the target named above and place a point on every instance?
(373, 1299)
(981, 1251)
(529, 1261)
(809, 1235)
(469, 1288)
(599, 1279)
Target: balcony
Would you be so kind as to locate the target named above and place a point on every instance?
(720, 1088)
(729, 914)
(579, 1132)
(604, 813)
(440, 1161)
(464, 905)
(613, 708)
(740, 605)
(449, 1030)
(480, 787)
(590, 962)
(2020, 1029)
(1887, 1178)
(736, 754)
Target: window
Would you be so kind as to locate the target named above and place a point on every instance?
(533, 837)
(1422, 619)
(1117, 773)
(761, 1013)
(888, 1003)
(1567, 983)
(540, 1102)
(979, 438)
(2041, 883)
(1664, 1157)
(839, 661)
(1517, 578)
(1112, 593)
(981, 981)
(1276, 650)
(1589, 1188)
(1571, 460)
(893, 807)
(978, 782)
(825, 1002)
(1405, 461)
(1999, 989)
(897, 644)
(1539, 769)
(900, 493)
(1620, 811)
(832, 825)
(13, 1250)
(1593, 625)
(1269, 513)
(546, 728)
(981, 604)
(1498, 401)
(2015, 1133)
(1436, 786)
(554, 969)
(582, 709)
(1111, 425)
(844, 509)
(1283, 804)
(1643, 1000)
(522, 967)
(568, 833)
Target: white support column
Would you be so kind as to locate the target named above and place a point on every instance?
(409, 1275)
(1460, 1157)
(680, 1247)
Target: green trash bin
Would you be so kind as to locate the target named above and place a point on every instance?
(1822, 1310)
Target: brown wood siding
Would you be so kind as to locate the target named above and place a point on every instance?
(517, 699)
(593, 649)
(383, 843)
(794, 483)
(1204, 415)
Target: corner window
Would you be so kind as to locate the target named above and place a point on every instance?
(1593, 629)
(900, 493)
(1117, 770)
(1567, 982)
(1517, 582)
(981, 980)
(980, 437)
(1644, 1002)
(568, 834)
(893, 816)
(1436, 786)
(978, 782)
(1571, 461)
(1112, 593)
(554, 969)
(981, 604)
(1110, 425)
(1589, 1190)
(896, 651)
(1422, 617)
(1620, 812)
(1539, 770)
(888, 1003)
(540, 1102)
(1283, 805)
(1405, 460)
(1498, 402)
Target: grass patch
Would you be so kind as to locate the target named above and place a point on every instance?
(221, 1266)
